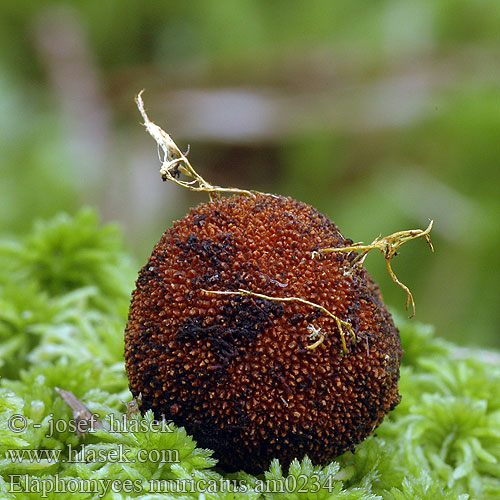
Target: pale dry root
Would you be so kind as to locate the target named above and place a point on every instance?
(175, 163)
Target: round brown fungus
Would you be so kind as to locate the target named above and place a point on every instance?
(261, 371)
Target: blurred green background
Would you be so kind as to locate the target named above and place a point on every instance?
(382, 114)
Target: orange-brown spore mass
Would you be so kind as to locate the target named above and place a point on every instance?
(235, 370)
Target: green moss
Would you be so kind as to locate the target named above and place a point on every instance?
(63, 297)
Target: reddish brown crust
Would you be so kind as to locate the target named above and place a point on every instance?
(234, 370)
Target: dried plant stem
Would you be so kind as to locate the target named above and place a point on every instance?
(84, 418)
(389, 246)
(341, 324)
(175, 162)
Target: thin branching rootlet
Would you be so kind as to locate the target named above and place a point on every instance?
(389, 246)
(316, 333)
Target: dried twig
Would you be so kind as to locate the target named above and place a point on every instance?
(85, 420)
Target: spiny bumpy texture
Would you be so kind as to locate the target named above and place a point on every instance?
(235, 370)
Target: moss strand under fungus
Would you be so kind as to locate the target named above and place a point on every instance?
(236, 328)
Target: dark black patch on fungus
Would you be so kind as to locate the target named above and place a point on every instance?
(238, 324)
(212, 251)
